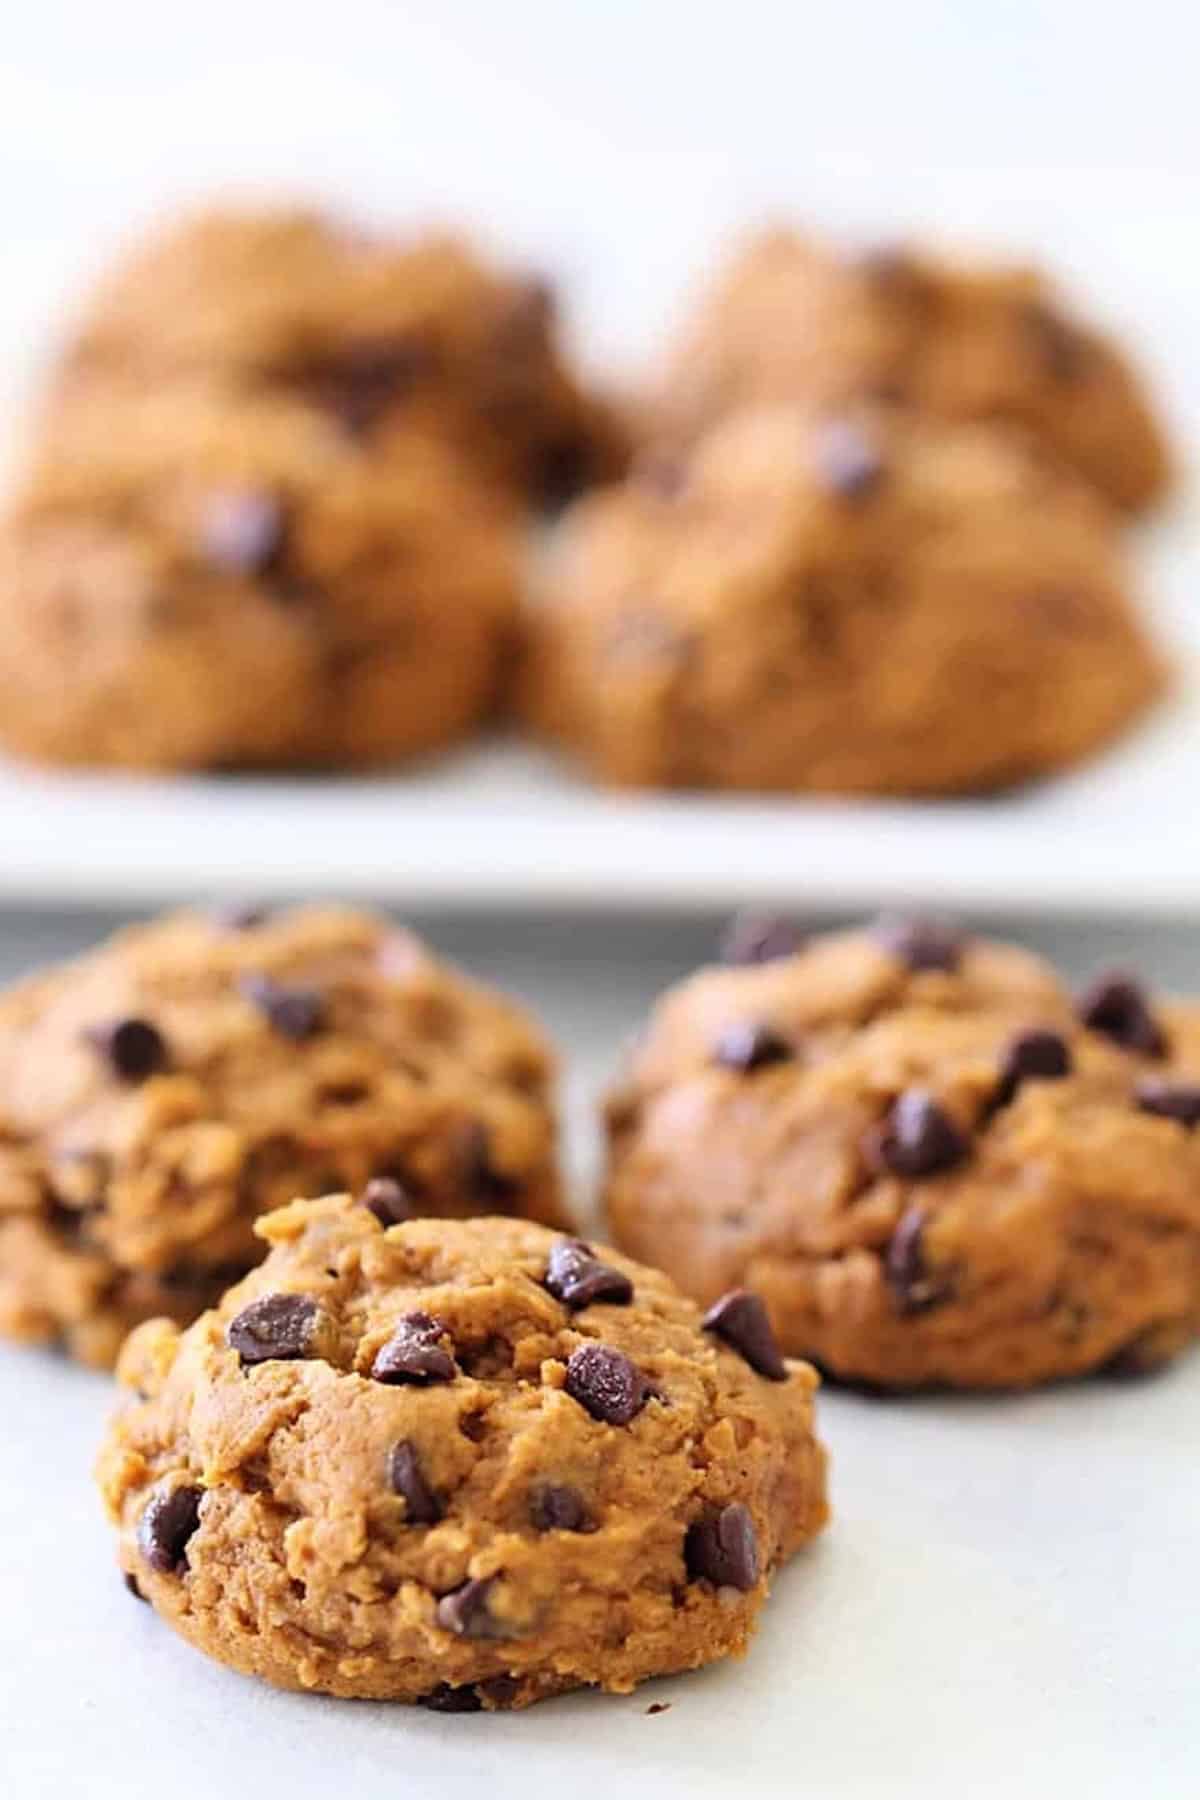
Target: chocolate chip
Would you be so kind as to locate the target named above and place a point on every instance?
(606, 1383)
(894, 273)
(1115, 1005)
(578, 1278)
(750, 1046)
(847, 460)
(239, 915)
(919, 1136)
(242, 531)
(275, 1328)
(904, 1264)
(404, 1474)
(1034, 1055)
(753, 937)
(1178, 1100)
(489, 1185)
(387, 1199)
(1059, 346)
(656, 1707)
(413, 1353)
(920, 943)
(447, 1699)
(363, 383)
(294, 1012)
(722, 1548)
(740, 1318)
(168, 1521)
(563, 469)
(465, 1611)
(131, 1586)
(134, 1048)
(557, 1509)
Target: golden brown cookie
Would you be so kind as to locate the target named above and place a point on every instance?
(189, 582)
(382, 336)
(161, 1092)
(467, 1464)
(790, 319)
(935, 1167)
(852, 605)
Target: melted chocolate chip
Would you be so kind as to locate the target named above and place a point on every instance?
(465, 1611)
(404, 1474)
(557, 1509)
(1178, 1100)
(606, 1383)
(413, 1353)
(294, 1012)
(904, 1265)
(722, 1548)
(447, 1699)
(134, 1048)
(1034, 1055)
(1116, 1006)
(753, 937)
(169, 1519)
(920, 943)
(275, 1328)
(740, 1318)
(131, 1586)
(387, 1199)
(578, 1278)
(849, 463)
(243, 531)
(920, 1138)
(750, 1046)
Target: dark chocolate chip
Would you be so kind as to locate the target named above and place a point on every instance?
(169, 1519)
(275, 1328)
(750, 1046)
(1178, 1100)
(294, 1012)
(465, 1611)
(1059, 346)
(489, 1185)
(131, 1585)
(1034, 1055)
(656, 1707)
(606, 1383)
(387, 1199)
(362, 384)
(920, 1138)
(1115, 1005)
(239, 915)
(849, 463)
(722, 1548)
(414, 1353)
(905, 1267)
(404, 1474)
(753, 937)
(557, 1509)
(920, 943)
(741, 1319)
(243, 531)
(447, 1699)
(134, 1048)
(577, 1278)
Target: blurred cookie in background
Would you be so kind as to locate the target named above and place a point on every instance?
(789, 318)
(851, 604)
(160, 1093)
(191, 580)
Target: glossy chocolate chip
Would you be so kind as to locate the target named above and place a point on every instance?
(388, 1200)
(749, 1046)
(447, 1699)
(294, 1012)
(1178, 1100)
(606, 1383)
(465, 1611)
(740, 1318)
(131, 1586)
(920, 943)
(905, 1267)
(1116, 1006)
(722, 1548)
(169, 1519)
(275, 1328)
(578, 1278)
(133, 1048)
(1034, 1055)
(243, 531)
(849, 463)
(413, 1353)
(754, 937)
(404, 1474)
(920, 1138)
(557, 1509)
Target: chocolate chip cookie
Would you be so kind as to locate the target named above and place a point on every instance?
(850, 605)
(935, 1165)
(160, 1093)
(467, 1464)
(380, 335)
(791, 319)
(193, 582)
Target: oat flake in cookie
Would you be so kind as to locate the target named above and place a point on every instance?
(958, 1175)
(451, 1485)
(160, 1093)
